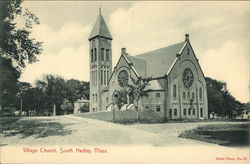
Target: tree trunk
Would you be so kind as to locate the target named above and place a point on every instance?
(54, 109)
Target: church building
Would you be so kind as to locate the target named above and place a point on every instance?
(177, 91)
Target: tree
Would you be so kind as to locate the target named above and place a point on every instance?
(137, 90)
(55, 89)
(76, 90)
(67, 107)
(8, 82)
(220, 101)
(17, 48)
(121, 97)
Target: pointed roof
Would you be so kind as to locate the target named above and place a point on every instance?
(160, 61)
(100, 28)
(139, 64)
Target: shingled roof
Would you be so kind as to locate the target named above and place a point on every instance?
(100, 29)
(159, 61)
(139, 64)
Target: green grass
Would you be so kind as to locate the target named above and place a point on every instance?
(222, 134)
(26, 127)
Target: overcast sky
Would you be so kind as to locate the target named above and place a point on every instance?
(219, 33)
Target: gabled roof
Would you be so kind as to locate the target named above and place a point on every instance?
(160, 61)
(100, 29)
(139, 64)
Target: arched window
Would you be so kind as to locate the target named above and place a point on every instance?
(158, 95)
(102, 54)
(184, 95)
(200, 93)
(175, 112)
(189, 111)
(188, 95)
(185, 111)
(174, 91)
(95, 55)
(105, 78)
(188, 51)
(158, 109)
(101, 77)
(92, 56)
(107, 54)
(107, 99)
(192, 95)
(201, 112)
(194, 111)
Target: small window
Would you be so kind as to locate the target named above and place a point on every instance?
(146, 107)
(189, 111)
(174, 91)
(158, 109)
(175, 112)
(101, 77)
(194, 111)
(184, 95)
(158, 95)
(188, 51)
(185, 111)
(95, 55)
(102, 54)
(92, 56)
(200, 93)
(107, 99)
(201, 112)
(188, 95)
(105, 78)
(107, 54)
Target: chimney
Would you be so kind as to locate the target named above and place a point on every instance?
(186, 37)
(124, 51)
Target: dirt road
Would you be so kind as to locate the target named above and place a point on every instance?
(95, 132)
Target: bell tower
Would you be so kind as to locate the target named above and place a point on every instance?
(100, 55)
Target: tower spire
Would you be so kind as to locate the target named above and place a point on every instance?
(100, 28)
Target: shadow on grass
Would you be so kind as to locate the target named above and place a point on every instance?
(29, 127)
(232, 135)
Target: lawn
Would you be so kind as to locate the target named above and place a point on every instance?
(11, 126)
(223, 134)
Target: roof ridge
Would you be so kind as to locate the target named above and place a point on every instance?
(183, 42)
(137, 57)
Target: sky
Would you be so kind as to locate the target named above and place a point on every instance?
(219, 34)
